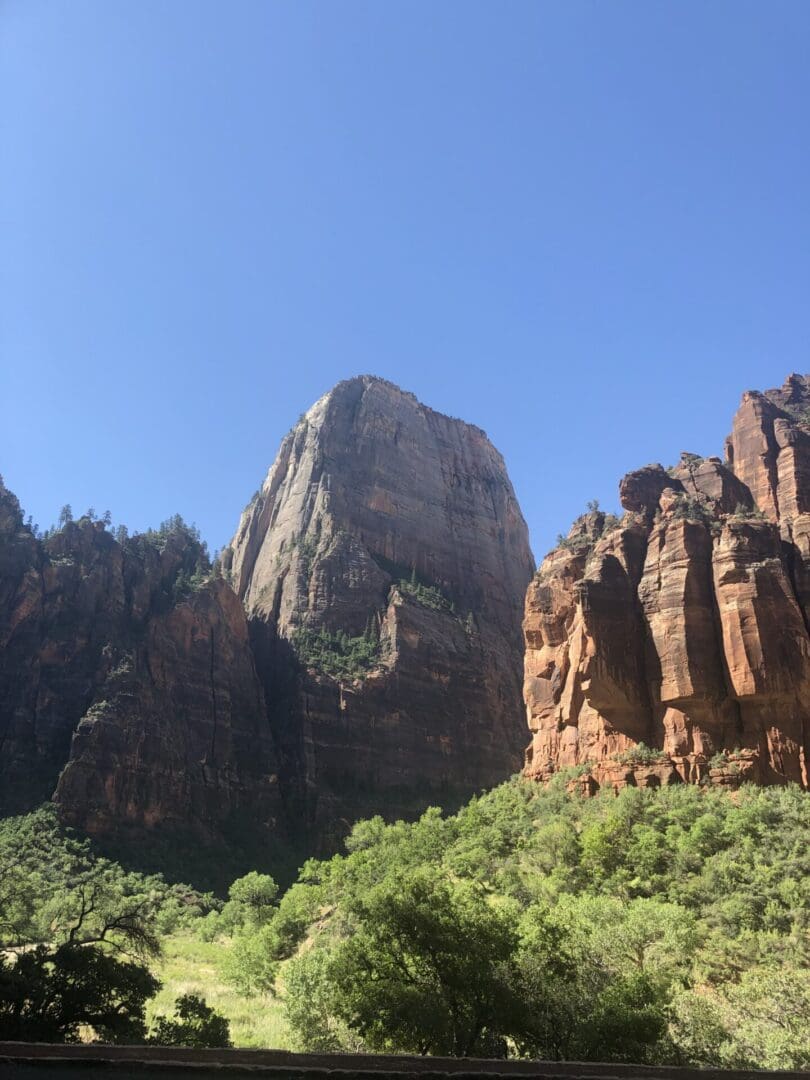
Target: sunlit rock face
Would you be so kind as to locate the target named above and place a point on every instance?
(383, 520)
(684, 625)
(360, 654)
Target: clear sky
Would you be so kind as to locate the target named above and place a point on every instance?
(583, 226)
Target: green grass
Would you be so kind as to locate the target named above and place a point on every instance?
(191, 966)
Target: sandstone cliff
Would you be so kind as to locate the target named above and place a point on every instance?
(132, 700)
(360, 655)
(672, 645)
(385, 560)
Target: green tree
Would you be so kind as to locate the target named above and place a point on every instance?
(768, 1016)
(428, 969)
(254, 895)
(194, 1023)
(48, 995)
(250, 964)
(311, 1007)
(625, 1021)
(55, 888)
(642, 936)
(578, 1007)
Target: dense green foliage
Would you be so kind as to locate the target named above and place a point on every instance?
(55, 887)
(49, 994)
(337, 654)
(194, 1024)
(77, 935)
(658, 926)
(429, 596)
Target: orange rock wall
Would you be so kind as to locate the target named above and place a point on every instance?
(685, 625)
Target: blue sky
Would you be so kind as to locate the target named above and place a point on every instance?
(584, 226)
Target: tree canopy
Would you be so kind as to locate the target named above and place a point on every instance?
(631, 928)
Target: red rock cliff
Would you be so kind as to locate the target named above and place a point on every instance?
(683, 626)
(394, 528)
(368, 662)
(133, 702)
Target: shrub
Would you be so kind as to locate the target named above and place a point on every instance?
(692, 508)
(747, 513)
(429, 596)
(336, 654)
(194, 1024)
(640, 755)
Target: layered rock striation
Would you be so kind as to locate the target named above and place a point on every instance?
(385, 561)
(672, 645)
(125, 694)
(359, 653)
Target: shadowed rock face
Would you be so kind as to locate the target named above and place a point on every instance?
(131, 707)
(367, 662)
(684, 625)
(383, 518)
(179, 736)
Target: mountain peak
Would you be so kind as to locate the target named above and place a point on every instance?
(389, 533)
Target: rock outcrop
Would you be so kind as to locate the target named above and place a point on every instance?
(387, 555)
(672, 645)
(130, 698)
(359, 654)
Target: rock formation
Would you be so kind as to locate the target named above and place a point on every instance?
(386, 552)
(360, 654)
(131, 700)
(672, 645)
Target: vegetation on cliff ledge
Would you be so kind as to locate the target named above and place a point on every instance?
(336, 654)
(429, 596)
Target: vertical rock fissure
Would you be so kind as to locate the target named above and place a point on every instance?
(790, 554)
(214, 717)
